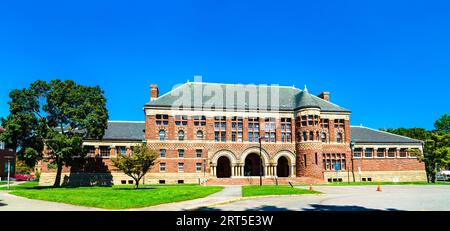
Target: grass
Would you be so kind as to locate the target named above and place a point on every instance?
(381, 183)
(268, 190)
(25, 185)
(117, 197)
(2, 182)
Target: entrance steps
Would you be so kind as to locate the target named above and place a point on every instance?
(265, 181)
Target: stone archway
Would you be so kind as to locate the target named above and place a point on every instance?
(252, 165)
(223, 167)
(282, 167)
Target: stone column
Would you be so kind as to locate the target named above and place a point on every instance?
(242, 170)
(292, 170)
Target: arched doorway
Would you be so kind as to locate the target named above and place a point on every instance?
(252, 165)
(282, 167)
(223, 167)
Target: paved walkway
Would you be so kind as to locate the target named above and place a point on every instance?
(228, 194)
(10, 202)
(352, 198)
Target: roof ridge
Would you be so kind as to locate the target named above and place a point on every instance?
(361, 126)
(124, 121)
(262, 85)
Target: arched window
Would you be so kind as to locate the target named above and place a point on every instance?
(199, 135)
(181, 135)
(162, 135)
(339, 137)
(323, 137)
(317, 136)
(305, 136)
(311, 136)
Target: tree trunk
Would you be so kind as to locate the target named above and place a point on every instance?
(137, 183)
(58, 174)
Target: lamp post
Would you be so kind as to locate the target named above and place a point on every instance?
(352, 145)
(204, 171)
(9, 169)
(260, 161)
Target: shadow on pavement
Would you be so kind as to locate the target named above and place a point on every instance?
(262, 208)
(315, 207)
(2, 204)
(318, 207)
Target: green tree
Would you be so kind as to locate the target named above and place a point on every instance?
(137, 164)
(443, 123)
(437, 153)
(56, 115)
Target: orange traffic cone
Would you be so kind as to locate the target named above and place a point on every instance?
(310, 187)
(379, 188)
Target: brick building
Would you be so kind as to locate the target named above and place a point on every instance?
(211, 132)
(5, 155)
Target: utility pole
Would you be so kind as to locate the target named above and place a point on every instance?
(352, 145)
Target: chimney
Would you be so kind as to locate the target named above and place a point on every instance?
(325, 95)
(154, 93)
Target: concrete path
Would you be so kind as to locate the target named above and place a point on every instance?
(228, 194)
(10, 202)
(352, 198)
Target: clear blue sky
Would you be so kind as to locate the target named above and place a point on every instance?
(387, 61)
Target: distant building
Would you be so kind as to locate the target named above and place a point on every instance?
(206, 131)
(5, 155)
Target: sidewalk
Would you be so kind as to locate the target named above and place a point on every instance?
(229, 193)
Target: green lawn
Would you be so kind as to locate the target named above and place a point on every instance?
(381, 183)
(117, 197)
(2, 182)
(266, 190)
(25, 185)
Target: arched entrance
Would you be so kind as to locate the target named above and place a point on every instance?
(252, 165)
(282, 167)
(223, 167)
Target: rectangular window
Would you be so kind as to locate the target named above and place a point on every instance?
(236, 128)
(162, 119)
(304, 158)
(198, 167)
(90, 150)
(162, 167)
(339, 123)
(220, 128)
(121, 150)
(198, 152)
(181, 120)
(2, 145)
(162, 153)
(304, 121)
(357, 152)
(317, 161)
(403, 152)
(286, 129)
(392, 152)
(104, 151)
(181, 153)
(199, 120)
(269, 128)
(368, 152)
(380, 152)
(253, 129)
(324, 123)
(180, 167)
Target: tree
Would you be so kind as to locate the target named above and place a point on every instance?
(443, 123)
(54, 116)
(436, 150)
(137, 164)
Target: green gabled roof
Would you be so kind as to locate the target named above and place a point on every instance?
(290, 98)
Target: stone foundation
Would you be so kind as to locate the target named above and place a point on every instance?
(104, 179)
(380, 176)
